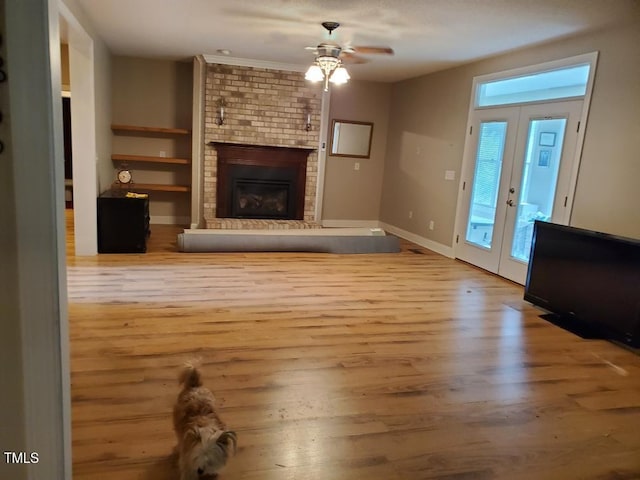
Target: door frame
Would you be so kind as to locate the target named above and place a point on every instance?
(83, 136)
(468, 153)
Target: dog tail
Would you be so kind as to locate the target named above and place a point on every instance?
(190, 376)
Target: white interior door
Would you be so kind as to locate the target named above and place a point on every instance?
(519, 170)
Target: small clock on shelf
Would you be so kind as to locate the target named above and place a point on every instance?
(124, 176)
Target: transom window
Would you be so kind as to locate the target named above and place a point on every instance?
(561, 83)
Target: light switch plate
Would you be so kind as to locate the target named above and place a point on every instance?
(450, 175)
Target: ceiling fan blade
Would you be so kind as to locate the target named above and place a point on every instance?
(350, 58)
(372, 50)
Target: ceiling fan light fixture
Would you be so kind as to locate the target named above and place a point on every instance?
(340, 76)
(327, 63)
(314, 74)
(329, 57)
(329, 69)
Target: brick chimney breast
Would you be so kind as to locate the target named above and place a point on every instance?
(262, 107)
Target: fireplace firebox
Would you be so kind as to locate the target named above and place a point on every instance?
(261, 192)
(260, 199)
(261, 182)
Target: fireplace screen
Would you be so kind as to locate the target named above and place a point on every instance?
(260, 199)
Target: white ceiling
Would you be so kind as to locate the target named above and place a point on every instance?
(427, 35)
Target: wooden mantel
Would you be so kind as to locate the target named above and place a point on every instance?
(273, 148)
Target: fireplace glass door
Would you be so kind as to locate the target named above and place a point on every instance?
(260, 199)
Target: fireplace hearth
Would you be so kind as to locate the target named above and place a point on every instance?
(260, 182)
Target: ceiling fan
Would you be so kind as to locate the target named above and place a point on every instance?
(347, 54)
(330, 56)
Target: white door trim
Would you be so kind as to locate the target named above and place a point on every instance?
(322, 154)
(83, 134)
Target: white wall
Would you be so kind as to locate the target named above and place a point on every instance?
(34, 368)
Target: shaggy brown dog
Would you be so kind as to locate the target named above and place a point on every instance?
(204, 443)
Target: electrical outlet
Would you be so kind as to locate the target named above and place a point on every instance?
(432, 225)
(450, 175)
(356, 166)
(410, 213)
(163, 154)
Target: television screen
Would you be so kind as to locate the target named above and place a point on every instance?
(588, 277)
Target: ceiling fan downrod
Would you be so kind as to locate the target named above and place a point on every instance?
(330, 26)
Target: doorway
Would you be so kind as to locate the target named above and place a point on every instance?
(521, 160)
(523, 157)
(68, 150)
(83, 132)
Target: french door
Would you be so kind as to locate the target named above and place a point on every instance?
(519, 171)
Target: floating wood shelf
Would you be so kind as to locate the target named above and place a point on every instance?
(160, 130)
(155, 187)
(150, 159)
(156, 132)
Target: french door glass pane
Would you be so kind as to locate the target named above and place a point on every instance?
(539, 180)
(486, 182)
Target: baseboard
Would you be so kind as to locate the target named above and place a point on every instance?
(444, 250)
(350, 223)
(169, 220)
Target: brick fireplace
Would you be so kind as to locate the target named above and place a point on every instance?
(265, 118)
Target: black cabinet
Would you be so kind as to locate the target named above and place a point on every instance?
(123, 223)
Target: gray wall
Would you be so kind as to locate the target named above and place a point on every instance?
(427, 133)
(149, 92)
(355, 194)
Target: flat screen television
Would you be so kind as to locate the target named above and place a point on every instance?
(587, 279)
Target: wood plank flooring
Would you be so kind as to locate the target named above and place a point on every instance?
(376, 367)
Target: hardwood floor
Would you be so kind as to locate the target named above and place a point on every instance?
(387, 366)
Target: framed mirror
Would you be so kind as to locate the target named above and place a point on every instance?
(351, 139)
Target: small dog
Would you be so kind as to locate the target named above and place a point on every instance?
(204, 443)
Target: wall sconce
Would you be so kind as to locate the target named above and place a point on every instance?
(307, 112)
(307, 126)
(220, 104)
